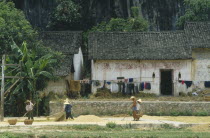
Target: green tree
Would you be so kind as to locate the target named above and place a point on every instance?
(196, 10)
(35, 72)
(134, 24)
(65, 15)
(38, 61)
(14, 27)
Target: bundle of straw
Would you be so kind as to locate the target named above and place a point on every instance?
(60, 116)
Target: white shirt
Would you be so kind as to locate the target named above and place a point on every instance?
(29, 107)
(138, 106)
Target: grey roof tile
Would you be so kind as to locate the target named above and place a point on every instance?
(68, 43)
(140, 46)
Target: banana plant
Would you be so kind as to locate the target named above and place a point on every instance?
(35, 71)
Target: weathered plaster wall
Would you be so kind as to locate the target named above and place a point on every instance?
(58, 86)
(201, 64)
(111, 69)
(123, 107)
(78, 65)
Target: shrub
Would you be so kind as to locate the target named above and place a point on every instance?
(167, 126)
(201, 113)
(111, 125)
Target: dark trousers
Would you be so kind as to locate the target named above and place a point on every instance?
(68, 114)
(30, 115)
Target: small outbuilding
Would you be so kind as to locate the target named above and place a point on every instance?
(69, 43)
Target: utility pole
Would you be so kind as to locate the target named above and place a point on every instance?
(2, 88)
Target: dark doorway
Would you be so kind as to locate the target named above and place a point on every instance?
(166, 82)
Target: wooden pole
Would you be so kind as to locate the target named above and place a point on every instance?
(2, 89)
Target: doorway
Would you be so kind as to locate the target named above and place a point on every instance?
(166, 82)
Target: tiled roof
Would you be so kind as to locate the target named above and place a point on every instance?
(198, 34)
(66, 42)
(140, 46)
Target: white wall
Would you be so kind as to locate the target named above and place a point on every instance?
(201, 64)
(142, 69)
(78, 65)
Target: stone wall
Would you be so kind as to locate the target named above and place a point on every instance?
(123, 107)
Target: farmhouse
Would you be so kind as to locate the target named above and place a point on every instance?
(69, 43)
(164, 63)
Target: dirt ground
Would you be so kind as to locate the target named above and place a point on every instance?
(117, 118)
(94, 126)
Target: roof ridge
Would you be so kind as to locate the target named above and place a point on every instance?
(150, 32)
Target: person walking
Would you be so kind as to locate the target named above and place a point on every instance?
(134, 108)
(29, 109)
(67, 109)
(138, 109)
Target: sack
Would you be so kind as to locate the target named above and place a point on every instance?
(141, 114)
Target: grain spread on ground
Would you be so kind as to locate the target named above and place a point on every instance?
(88, 118)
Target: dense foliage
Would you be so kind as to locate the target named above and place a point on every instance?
(196, 10)
(20, 41)
(14, 27)
(35, 71)
(65, 15)
(134, 24)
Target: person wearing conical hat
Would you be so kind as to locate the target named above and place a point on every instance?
(67, 108)
(134, 108)
(29, 109)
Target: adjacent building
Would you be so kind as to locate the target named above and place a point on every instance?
(69, 43)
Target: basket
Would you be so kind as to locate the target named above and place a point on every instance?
(12, 121)
(207, 98)
(28, 122)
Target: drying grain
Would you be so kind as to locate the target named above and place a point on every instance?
(88, 118)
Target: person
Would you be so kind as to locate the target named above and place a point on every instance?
(67, 109)
(134, 108)
(29, 109)
(138, 109)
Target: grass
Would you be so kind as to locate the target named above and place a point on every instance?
(89, 131)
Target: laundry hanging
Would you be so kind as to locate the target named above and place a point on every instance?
(108, 82)
(141, 86)
(130, 79)
(188, 83)
(148, 86)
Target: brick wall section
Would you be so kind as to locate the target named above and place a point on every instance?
(123, 107)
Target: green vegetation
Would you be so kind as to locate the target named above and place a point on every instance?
(36, 71)
(177, 113)
(65, 16)
(14, 27)
(81, 131)
(134, 24)
(196, 10)
(111, 125)
(17, 38)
